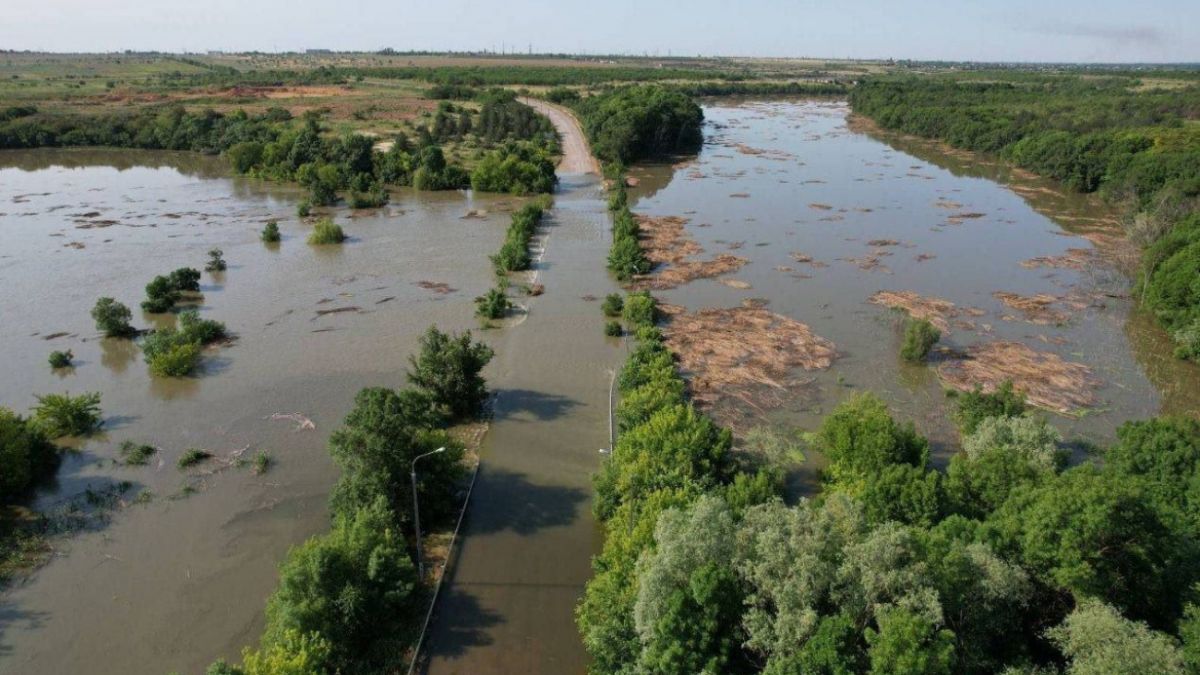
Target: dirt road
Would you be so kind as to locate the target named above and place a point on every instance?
(577, 155)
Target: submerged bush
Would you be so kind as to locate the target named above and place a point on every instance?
(26, 455)
(192, 457)
(975, 406)
(270, 233)
(161, 295)
(612, 305)
(61, 359)
(185, 280)
(304, 208)
(919, 337)
(66, 415)
(216, 263)
(326, 232)
(112, 318)
(640, 309)
(136, 454)
(174, 359)
(613, 329)
(492, 305)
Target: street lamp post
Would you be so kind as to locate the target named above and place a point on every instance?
(417, 511)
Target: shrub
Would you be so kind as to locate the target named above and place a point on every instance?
(61, 359)
(448, 368)
(66, 415)
(26, 455)
(612, 305)
(492, 305)
(161, 295)
(194, 329)
(262, 463)
(174, 358)
(976, 406)
(136, 454)
(326, 232)
(270, 233)
(640, 309)
(919, 337)
(216, 263)
(304, 209)
(613, 329)
(112, 318)
(193, 456)
(185, 280)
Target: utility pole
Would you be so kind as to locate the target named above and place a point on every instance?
(417, 512)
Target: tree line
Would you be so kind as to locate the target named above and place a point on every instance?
(1139, 147)
(351, 600)
(1007, 561)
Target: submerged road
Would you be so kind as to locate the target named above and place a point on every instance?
(511, 589)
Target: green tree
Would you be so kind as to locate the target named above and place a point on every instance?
(1003, 453)
(974, 406)
(1097, 640)
(860, 438)
(449, 367)
(112, 318)
(354, 588)
(66, 415)
(906, 642)
(26, 455)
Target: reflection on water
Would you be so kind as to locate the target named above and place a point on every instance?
(785, 182)
(172, 584)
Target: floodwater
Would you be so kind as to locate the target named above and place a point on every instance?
(172, 584)
(779, 178)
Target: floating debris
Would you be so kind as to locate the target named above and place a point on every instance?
(1074, 259)
(1034, 308)
(743, 357)
(667, 245)
(302, 421)
(936, 311)
(438, 287)
(1046, 379)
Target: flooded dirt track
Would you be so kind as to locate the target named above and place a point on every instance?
(508, 605)
(172, 584)
(835, 223)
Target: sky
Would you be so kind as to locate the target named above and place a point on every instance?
(968, 30)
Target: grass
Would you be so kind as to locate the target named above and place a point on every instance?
(136, 454)
(193, 456)
(326, 232)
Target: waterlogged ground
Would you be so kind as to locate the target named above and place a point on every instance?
(173, 583)
(828, 216)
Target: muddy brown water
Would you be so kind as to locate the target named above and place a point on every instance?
(780, 177)
(173, 584)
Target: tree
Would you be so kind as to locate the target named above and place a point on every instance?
(112, 318)
(448, 367)
(689, 602)
(26, 455)
(161, 295)
(1003, 453)
(860, 438)
(353, 588)
(903, 493)
(906, 642)
(1095, 534)
(375, 447)
(1097, 640)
